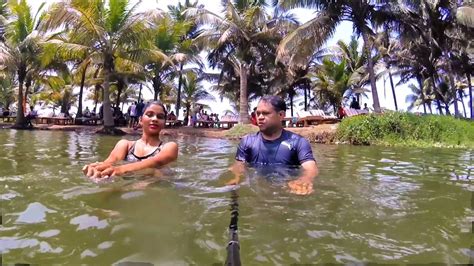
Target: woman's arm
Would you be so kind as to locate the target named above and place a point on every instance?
(117, 154)
(168, 154)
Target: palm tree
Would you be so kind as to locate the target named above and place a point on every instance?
(186, 49)
(7, 93)
(419, 96)
(331, 82)
(20, 50)
(111, 31)
(193, 92)
(365, 16)
(238, 42)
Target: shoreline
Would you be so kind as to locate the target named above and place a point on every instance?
(323, 134)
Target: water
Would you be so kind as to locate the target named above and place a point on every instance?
(371, 204)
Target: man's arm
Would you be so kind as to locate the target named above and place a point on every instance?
(309, 170)
(238, 169)
(304, 184)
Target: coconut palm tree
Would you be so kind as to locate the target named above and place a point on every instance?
(19, 52)
(7, 93)
(193, 92)
(238, 42)
(331, 82)
(366, 16)
(187, 52)
(112, 31)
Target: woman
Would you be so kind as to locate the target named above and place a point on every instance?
(147, 152)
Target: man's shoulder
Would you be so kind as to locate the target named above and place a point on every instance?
(250, 139)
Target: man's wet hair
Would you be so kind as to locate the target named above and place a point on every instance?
(276, 101)
(155, 103)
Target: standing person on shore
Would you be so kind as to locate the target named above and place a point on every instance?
(273, 145)
(147, 152)
(132, 112)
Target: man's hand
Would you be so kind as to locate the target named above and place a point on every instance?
(233, 181)
(301, 186)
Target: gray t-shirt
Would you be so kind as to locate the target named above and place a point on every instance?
(289, 149)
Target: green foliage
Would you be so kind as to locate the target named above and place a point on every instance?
(240, 130)
(406, 129)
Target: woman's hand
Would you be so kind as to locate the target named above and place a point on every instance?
(111, 171)
(94, 170)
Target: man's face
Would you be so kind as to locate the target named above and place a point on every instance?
(268, 120)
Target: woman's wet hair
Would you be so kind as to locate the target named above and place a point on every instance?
(276, 101)
(155, 103)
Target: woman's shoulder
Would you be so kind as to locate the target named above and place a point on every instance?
(125, 143)
(169, 145)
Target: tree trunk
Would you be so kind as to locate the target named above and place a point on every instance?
(108, 118)
(96, 97)
(461, 96)
(120, 85)
(180, 82)
(375, 95)
(186, 118)
(422, 94)
(440, 110)
(438, 102)
(244, 105)
(305, 100)
(291, 104)
(471, 106)
(20, 115)
(156, 85)
(156, 89)
(81, 91)
(453, 87)
(393, 89)
(140, 92)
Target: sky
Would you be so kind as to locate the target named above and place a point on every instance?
(343, 32)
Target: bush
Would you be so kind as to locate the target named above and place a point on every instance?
(406, 129)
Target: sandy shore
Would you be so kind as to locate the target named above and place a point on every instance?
(316, 134)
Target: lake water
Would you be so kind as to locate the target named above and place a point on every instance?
(371, 204)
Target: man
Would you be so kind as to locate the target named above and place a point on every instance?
(132, 112)
(355, 104)
(31, 115)
(273, 145)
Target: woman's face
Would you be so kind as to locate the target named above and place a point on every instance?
(153, 119)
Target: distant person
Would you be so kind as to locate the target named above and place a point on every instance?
(273, 145)
(171, 116)
(195, 114)
(139, 109)
(366, 108)
(355, 104)
(147, 152)
(132, 113)
(101, 111)
(32, 114)
(340, 112)
(253, 117)
(87, 112)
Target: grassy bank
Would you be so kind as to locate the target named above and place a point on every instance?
(405, 129)
(238, 131)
